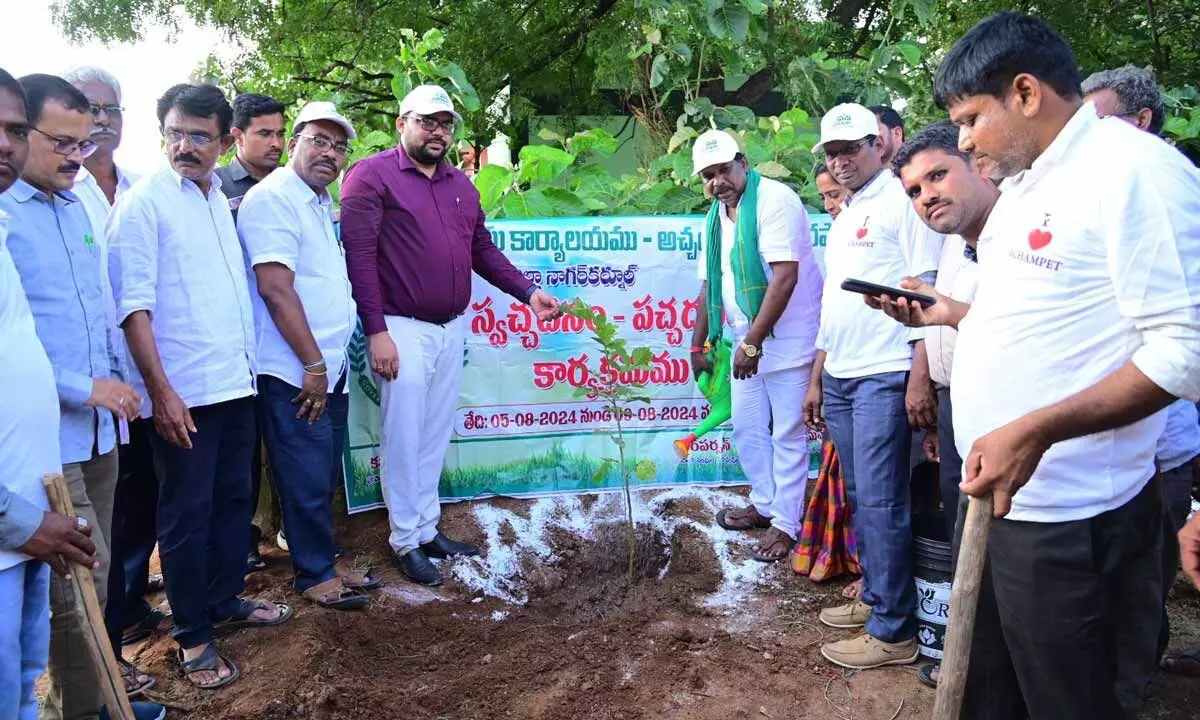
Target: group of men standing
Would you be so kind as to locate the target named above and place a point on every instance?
(162, 328)
(1061, 249)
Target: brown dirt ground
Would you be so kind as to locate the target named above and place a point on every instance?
(586, 647)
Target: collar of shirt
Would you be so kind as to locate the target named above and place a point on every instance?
(124, 180)
(1076, 127)
(182, 182)
(405, 163)
(301, 191)
(24, 192)
(873, 187)
(237, 170)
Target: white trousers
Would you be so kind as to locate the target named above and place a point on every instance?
(417, 417)
(772, 442)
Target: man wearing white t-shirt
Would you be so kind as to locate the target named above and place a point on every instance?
(871, 379)
(1085, 325)
(762, 284)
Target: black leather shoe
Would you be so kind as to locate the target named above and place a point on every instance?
(442, 547)
(417, 567)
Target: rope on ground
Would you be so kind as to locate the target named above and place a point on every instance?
(838, 709)
(810, 626)
(898, 709)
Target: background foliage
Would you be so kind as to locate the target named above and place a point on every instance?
(763, 69)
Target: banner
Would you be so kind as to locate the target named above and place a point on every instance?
(519, 430)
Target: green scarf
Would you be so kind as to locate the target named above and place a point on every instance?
(749, 278)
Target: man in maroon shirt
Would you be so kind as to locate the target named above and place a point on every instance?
(414, 231)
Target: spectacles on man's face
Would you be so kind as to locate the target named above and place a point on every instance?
(848, 150)
(66, 146)
(324, 143)
(197, 139)
(109, 109)
(429, 124)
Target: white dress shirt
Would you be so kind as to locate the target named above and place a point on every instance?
(879, 238)
(282, 220)
(957, 278)
(29, 445)
(96, 203)
(175, 253)
(1180, 441)
(784, 235)
(1090, 260)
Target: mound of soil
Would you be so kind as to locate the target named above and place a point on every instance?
(588, 645)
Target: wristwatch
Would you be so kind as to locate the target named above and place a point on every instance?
(750, 350)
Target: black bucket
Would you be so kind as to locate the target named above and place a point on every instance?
(932, 574)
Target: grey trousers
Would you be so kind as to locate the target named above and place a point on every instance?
(74, 692)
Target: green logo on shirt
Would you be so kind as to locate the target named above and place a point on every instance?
(87, 240)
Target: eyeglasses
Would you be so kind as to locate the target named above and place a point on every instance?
(849, 151)
(429, 124)
(323, 144)
(68, 146)
(197, 139)
(111, 110)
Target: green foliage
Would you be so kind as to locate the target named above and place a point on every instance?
(1182, 124)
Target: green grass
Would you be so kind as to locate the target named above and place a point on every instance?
(555, 470)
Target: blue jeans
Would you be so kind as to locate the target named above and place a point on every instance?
(203, 516)
(24, 636)
(869, 426)
(304, 461)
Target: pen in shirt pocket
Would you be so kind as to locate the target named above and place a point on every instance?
(457, 204)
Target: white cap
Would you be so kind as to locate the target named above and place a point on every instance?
(428, 100)
(849, 121)
(323, 110)
(713, 147)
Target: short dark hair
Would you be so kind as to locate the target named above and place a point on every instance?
(941, 135)
(888, 116)
(41, 88)
(201, 100)
(248, 106)
(821, 169)
(996, 50)
(9, 83)
(1134, 87)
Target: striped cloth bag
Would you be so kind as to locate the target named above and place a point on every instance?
(827, 548)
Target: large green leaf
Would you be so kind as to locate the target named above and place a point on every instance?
(565, 203)
(659, 70)
(538, 204)
(681, 136)
(466, 92)
(514, 206)
(910, 51)
(597, 140)
(728, 21)
(542, 163)
(773, 169)
(402, 84)
(491, 182)
(735, 116)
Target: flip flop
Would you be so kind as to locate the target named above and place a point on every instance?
(335, 595)
(925, 675)
(129, 674)
(780, 537)
(152, 623)
(207, 661)
(243, 620)
(760, 524)
(1182, 663)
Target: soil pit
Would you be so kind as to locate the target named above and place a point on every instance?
(546, 626)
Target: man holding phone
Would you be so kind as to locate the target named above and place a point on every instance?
(871, 379)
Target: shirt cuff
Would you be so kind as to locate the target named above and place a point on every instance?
(374, 324)
(19, 520)
(74, 389)
(1172, 366)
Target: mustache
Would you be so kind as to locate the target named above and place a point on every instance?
(326, 164)
(187, 157)
(103, 130)
(69, 168)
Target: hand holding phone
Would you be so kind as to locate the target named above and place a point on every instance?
(873, 290)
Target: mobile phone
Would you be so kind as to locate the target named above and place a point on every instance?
(866, 288)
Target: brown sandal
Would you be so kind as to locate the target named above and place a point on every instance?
(773, 539)
(747, 518)
(136, 681)
(336, 595)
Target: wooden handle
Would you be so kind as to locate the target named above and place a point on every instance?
(964, 600)
(112, 686)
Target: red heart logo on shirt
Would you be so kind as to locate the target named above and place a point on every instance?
(862, 233)
(1039, 238)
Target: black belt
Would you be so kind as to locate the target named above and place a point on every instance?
(444, 320)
